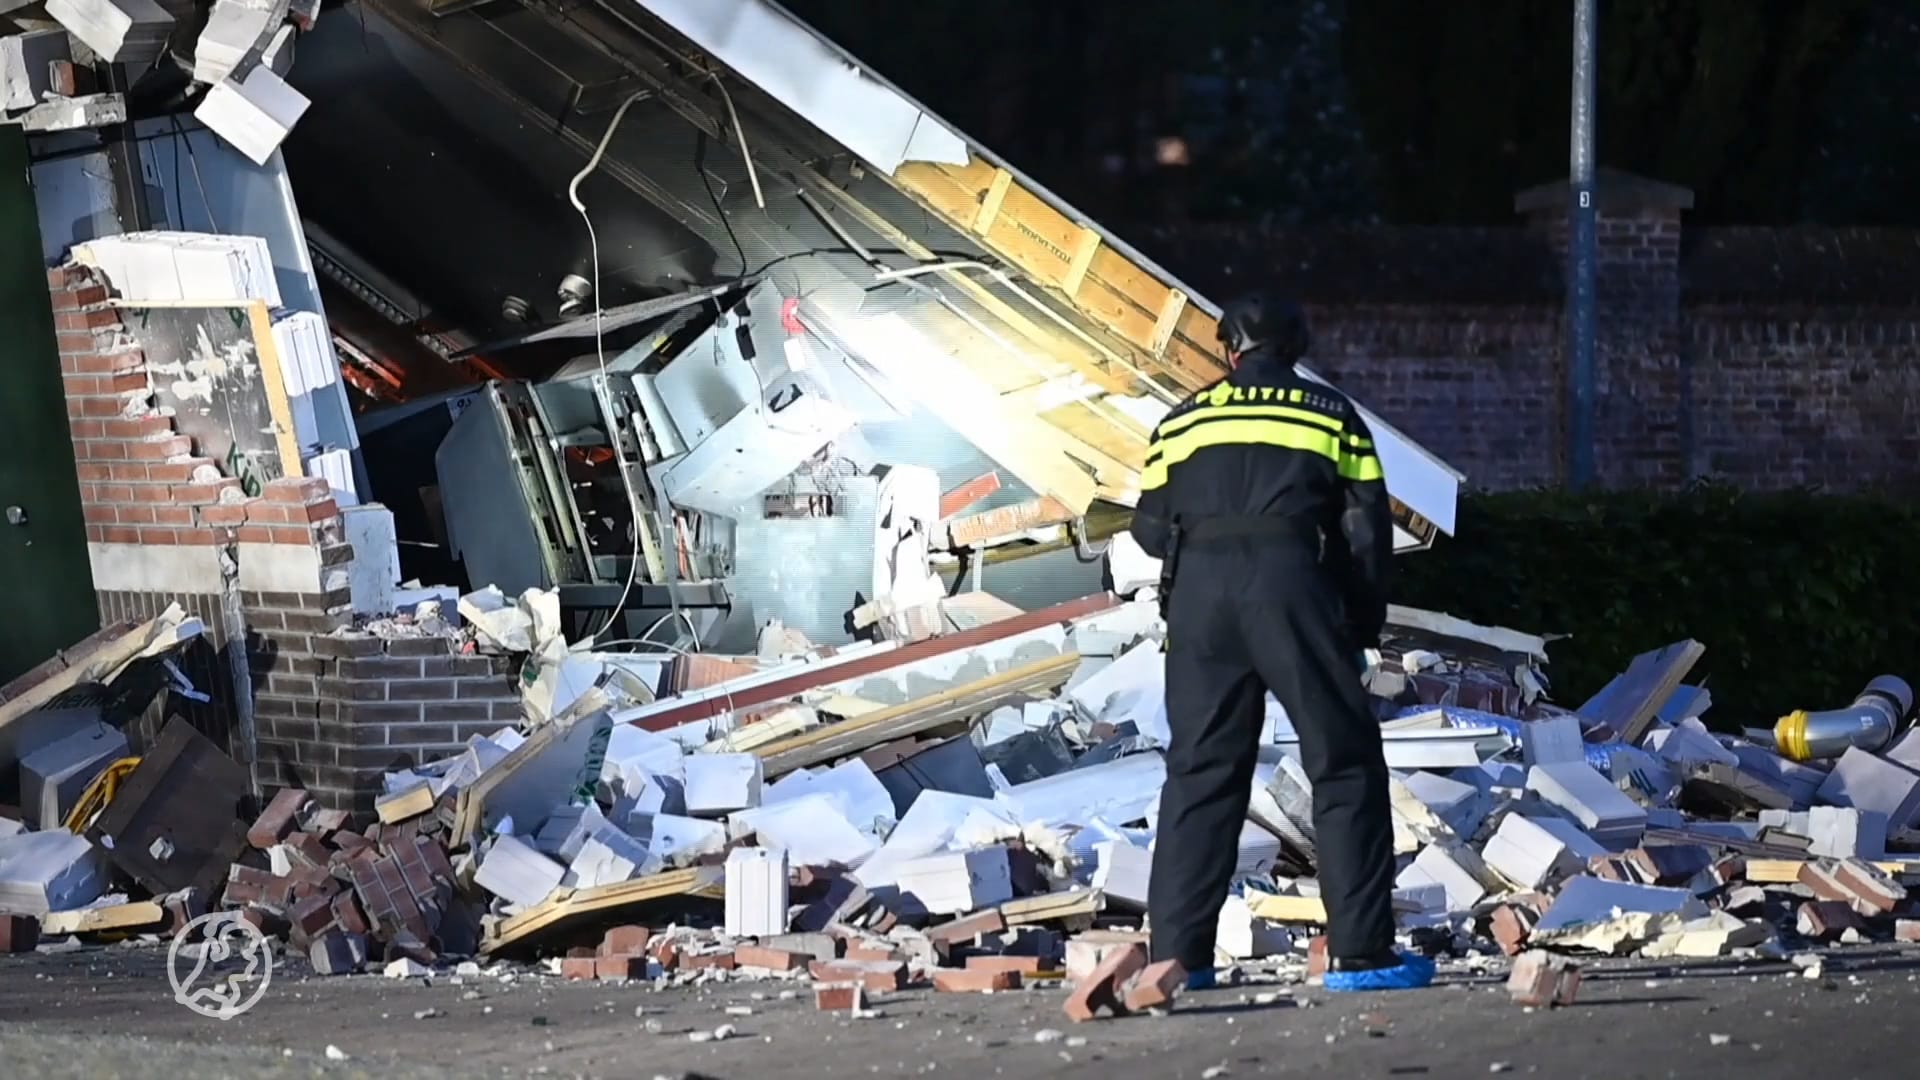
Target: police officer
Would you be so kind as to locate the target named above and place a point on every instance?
(1264, 499)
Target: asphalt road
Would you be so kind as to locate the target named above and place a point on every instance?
(109, 1012)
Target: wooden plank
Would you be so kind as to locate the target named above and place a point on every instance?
(1082, 262)
(1049, 907)
(1288, 909)
(565, 909)
(991, 202)
(1122, 449)
(274, 383)
(824, 676)
(1023, 445)
(1176, 303)
(958, 703)
(1122, 316)
(134, 916)
(1054, 341)
(1128, 279)
(1787, 871)
(1028, 232)
(976, 529)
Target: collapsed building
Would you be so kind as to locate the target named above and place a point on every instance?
(675, 308)
(655, 461)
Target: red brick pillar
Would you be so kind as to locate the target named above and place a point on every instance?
(1640, 408)
(166, 526)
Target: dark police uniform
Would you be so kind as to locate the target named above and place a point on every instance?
(1266, 502)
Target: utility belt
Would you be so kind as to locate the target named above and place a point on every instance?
(1182, 534)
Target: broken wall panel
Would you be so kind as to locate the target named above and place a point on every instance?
(205, 365)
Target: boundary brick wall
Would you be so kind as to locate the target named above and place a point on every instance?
(1767, 358)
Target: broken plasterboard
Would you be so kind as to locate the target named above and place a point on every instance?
(49, 871)
(561, 761)
(131, 32)
(25, 59)
(235, 31)
(169, 267)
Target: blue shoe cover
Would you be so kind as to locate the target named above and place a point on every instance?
(1412, 973)
(1200, 980)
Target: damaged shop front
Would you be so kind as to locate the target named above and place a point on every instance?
(650, 512)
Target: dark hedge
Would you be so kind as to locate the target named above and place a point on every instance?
(1799, 598)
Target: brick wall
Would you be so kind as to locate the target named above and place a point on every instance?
(338, 709)
(1769, 358)
(294, 692)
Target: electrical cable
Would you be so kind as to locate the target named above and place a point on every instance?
(600, 354)
(1084, 549)
(740, 133)
(645, 637)
(186, 141)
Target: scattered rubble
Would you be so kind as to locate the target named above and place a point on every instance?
(970, 811)
(233, 65)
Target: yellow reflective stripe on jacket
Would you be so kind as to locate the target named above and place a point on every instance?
(1360, 465)
(1352, 456)
(1268, 431)
(1247, 412)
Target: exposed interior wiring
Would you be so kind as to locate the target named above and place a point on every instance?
(740, 133)
(753, 174)
(1084, 548)
(600, 354)
(726, 222)
(653, 646)
(646, 636)
(185, 141)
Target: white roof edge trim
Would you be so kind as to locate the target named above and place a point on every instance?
(815, 78)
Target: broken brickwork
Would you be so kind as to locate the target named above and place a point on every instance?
(336, 713)
(166, 525)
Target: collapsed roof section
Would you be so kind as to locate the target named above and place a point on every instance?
(1041, 338)
(1129, 335)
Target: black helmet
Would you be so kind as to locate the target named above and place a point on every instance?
(1270, 324)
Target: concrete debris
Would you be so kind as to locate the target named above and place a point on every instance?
(76, 113)
(983, 819)
(27, 66)
(163, 266)
(132, 32)
(254, 113)
(236, 32)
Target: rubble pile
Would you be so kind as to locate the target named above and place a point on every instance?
(972, 809)
(234, 64)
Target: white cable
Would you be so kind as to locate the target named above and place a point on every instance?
(645, 637)
(600, 353)
(740, 132)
